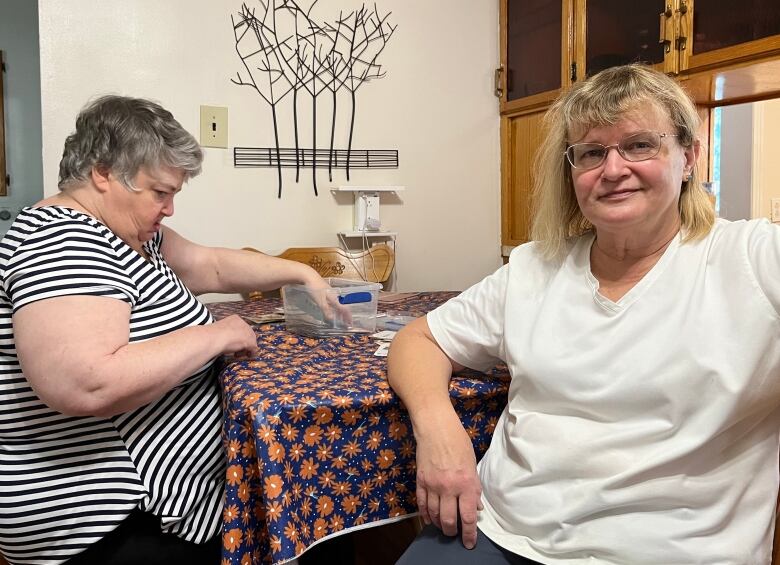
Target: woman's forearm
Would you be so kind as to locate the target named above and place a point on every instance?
(419, 372)
(243, 271)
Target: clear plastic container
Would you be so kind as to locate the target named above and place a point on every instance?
(347, 307)
(394, 321)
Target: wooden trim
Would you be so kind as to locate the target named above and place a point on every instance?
(735, 82)
(579, 19)
(678, 59)
(529, 104)
(502, 52)
(3, 167)
(765, 47)
(568, 38)
(506, 176)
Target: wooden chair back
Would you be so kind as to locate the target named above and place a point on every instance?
(375, 264)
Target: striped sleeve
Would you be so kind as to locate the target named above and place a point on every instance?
(68, 257)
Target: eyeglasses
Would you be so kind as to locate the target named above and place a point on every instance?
(639, 146)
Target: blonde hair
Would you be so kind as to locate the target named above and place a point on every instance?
(604, 99)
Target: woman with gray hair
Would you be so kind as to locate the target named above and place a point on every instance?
(110, 414)
(642, 338)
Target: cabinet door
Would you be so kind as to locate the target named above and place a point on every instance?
(616, 32)
(521, 137)
(720, 31)
(535, 51)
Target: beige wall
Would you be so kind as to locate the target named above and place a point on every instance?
(435, 106)
(766, 164)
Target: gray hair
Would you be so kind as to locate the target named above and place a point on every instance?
(123, 135)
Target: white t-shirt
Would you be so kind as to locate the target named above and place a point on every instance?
(642, 431)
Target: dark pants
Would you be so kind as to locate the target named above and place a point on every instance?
(138, 540)
(434, 548)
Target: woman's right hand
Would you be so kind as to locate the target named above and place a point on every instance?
(448, 486)
(237, 336)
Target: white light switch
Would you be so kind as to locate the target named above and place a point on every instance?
(775, 209)
(213, 126)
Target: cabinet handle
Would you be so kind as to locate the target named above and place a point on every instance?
(497, 85)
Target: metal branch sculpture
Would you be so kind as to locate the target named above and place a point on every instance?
(283, 50)
(365, 39)
(260, 55)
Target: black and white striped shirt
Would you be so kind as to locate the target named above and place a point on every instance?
(67, 481)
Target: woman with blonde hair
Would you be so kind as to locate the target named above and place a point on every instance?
(641, 335)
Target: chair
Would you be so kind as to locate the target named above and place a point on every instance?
(374, 264)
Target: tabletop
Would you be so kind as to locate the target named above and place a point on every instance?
(317, 442)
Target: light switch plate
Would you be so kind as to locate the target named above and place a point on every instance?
(214, 126)
(775, 209)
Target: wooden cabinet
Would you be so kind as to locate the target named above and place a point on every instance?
(724, 53)
(536, 48)
(536, 52)
(614, 32)
(720, 32)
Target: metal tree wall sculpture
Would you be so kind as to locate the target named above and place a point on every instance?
(282, 51)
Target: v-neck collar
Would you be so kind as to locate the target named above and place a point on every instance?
(638, 289)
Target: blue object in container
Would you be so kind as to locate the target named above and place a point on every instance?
(355, 298)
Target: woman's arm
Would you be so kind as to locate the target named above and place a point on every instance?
(75, 352)
(216, 269)
(447, 483)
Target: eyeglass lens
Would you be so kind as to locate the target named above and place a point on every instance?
(636, 147)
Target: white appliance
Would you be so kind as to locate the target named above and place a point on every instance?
(367, 211)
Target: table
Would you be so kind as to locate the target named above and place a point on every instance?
(317, 443)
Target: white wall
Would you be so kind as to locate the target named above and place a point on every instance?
(736, 156)
(19, 40)
(435, 106)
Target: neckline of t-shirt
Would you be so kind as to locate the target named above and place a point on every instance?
(639, 288)
(148, 248)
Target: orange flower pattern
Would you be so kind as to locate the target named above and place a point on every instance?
(317, 442)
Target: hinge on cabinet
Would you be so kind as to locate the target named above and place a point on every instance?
(573, 75)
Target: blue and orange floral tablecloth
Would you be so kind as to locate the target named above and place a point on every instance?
(317, 443)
